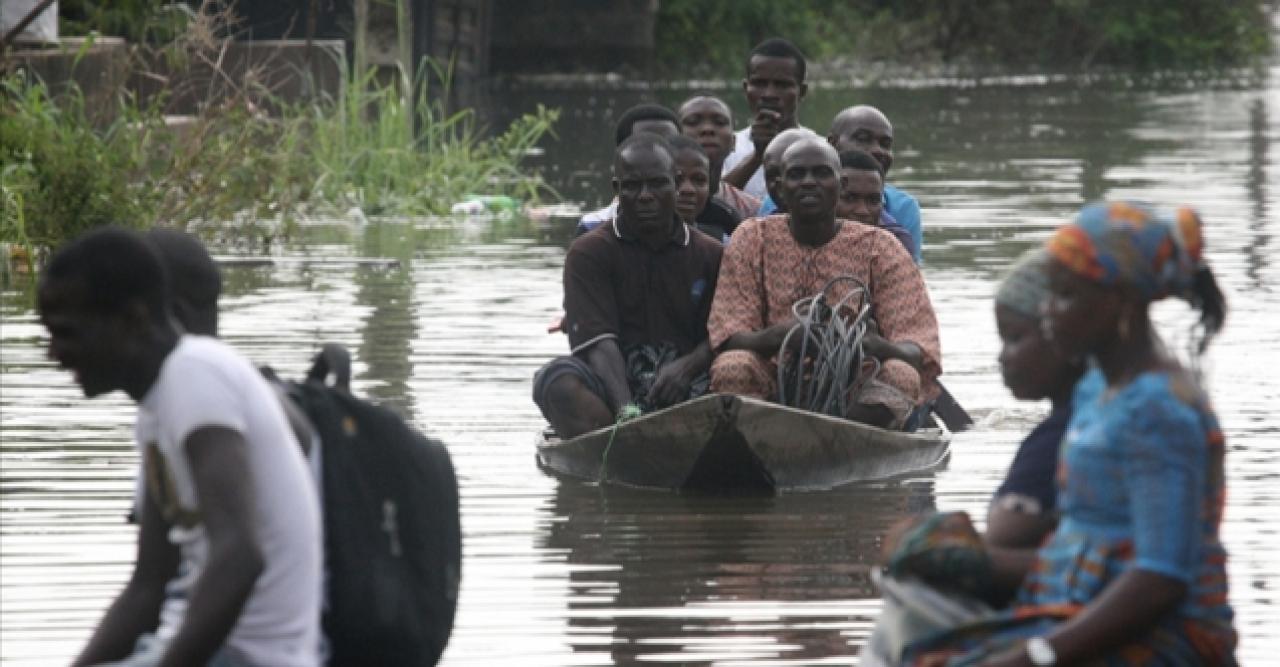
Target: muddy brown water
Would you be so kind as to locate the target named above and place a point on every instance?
(564, 573)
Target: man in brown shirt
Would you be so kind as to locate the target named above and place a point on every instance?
(637, 293)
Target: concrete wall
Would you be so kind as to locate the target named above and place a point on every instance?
(106, 66)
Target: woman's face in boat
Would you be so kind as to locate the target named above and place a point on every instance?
(706, 120)
(693, 183)
(1032, 368)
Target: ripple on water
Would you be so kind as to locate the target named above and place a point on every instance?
(563, 573)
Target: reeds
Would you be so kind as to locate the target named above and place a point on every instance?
(391, 148)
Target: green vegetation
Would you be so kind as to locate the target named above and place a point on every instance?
(59, 176)
(388, 147)
(139, 21)
(719, 32)
(1024, 33)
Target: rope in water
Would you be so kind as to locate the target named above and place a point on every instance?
(830, 337)
(625, 413)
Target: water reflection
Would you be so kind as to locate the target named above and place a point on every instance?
(669, 575)
(390, 326)
(562, 573)
(1256, 184)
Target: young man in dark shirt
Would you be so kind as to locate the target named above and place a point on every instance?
(637, 293)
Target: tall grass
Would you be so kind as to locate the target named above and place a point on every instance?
(59, 175)
(391, 148)
(392, 152)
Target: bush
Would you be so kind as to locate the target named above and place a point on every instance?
(1024, 33)
(58, 175)
(375, 148)
(718, 34)
(389, 147)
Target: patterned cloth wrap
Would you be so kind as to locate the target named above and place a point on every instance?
(1132, 244)
(945, 551)
(934, 580)
(642, 364)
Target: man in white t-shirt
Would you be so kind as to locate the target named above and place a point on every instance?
(774, 87)
(227, 489)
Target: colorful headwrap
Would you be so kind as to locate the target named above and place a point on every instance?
(1026, 285)
(1132, 244)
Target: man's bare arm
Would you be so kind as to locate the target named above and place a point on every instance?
(884, 350)
(766, 341)
(605, 358)
(136, 609)
(220, 469)
(743, 171)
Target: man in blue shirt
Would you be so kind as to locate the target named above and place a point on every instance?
(865, 128)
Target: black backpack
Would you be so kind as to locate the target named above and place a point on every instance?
(393, 544)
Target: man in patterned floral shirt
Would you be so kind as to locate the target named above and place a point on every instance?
(777, 260)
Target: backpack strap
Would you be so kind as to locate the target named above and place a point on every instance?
(333, 359)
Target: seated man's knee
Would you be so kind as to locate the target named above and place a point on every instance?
(903, 377)
(564, 392)
(741, 372)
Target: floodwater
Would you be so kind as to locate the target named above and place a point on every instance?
(565, 573)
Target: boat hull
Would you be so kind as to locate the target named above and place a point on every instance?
(725, 443)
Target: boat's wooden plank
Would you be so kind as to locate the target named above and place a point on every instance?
(790, 449)
(657, 450)
(808, 451)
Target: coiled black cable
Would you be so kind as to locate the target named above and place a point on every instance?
(831, 337)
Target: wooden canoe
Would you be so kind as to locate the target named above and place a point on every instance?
(724, 443)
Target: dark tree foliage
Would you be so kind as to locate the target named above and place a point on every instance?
(1033, 33)
(718, 33)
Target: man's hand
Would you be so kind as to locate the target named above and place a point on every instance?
(883, 349)
(671, 384)
(764, 127)
(874, 344)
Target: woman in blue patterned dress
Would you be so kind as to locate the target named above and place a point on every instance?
(1135, 573)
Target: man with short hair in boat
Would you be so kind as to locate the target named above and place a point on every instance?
(651, 118)
(694, 202)
(637, 293)
(775, 261)
(774, 87)
(862, 196)
(771, 165)
(866, 128)
(708, 120)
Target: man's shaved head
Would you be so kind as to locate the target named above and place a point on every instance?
(864, 128)
(810, 182)
(858, 115)
(808, 144)
(771, 161)
(784, 140)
